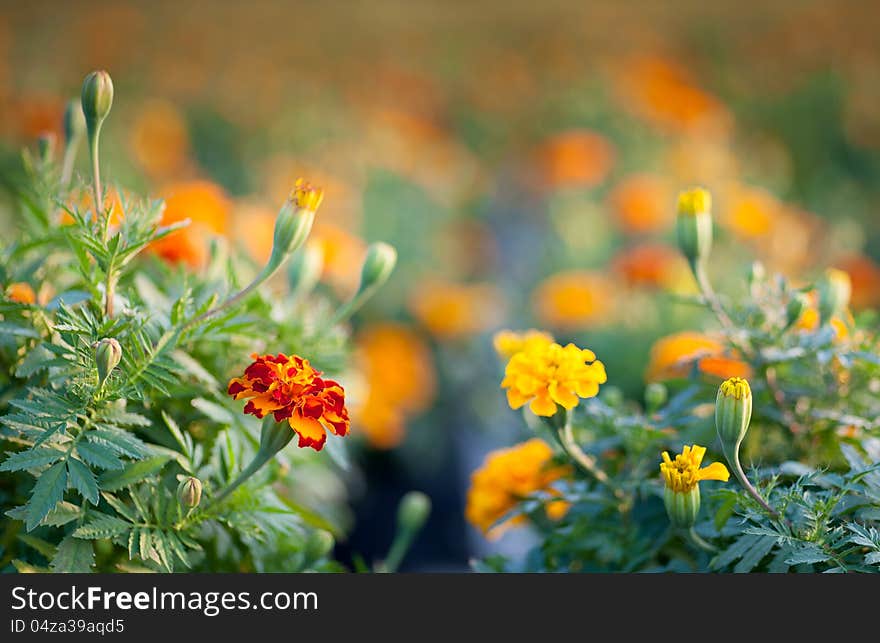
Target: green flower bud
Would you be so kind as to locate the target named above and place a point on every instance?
(612, 396)
(97, 98)
(413, 511)
(797, 304)
(305, 268)
(294, 222)
(108, 353)
(46, 147)
(318, 545)
(733, 412)
(656, 395)
(274, 436)
(189, 492)
(835, 289)
(694, 224)
(74, 122)
(378, 266)
(682, 507)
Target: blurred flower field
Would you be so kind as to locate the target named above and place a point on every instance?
(526, 162)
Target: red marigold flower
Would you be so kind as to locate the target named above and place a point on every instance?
(290, 389)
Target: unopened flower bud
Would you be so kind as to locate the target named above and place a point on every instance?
(378, 266)
(413, 511)
(682, 507)
(733, 412)
(305, 268)
(795, 308)
(318, 545)
(108, 353)
(294, 221)
(97, 98)
(46, 147)
(74, 122)
(835, 289)
(655, 396)
(189, 492)
(694, 224)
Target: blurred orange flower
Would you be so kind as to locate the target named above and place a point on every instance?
(809, 319)
(576, 158)
(675, 356)
(452, 310)
(663, 92)
(508, 476)
(642, 203)
(253, 224)
(751, 212)
(207, 207)
(574, 299)
(83, 200)
(343, 254)
(864, 275)
(21, 293)
(651, 265)
(397, 364)
(158, 139)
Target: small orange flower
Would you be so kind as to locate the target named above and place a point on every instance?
(642, 203)
(21, 293)
(290, 389)
(576, 158)
(674, 356)
(864, 275)
(652, 265)
(509, 476)
(574, 299)
(450, 310)
(206, 206)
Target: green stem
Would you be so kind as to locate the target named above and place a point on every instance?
(233, 299)
(586, 462)
(705, 286)
(695, 538)
(402, 542)
(744, 481)
(96, 179)
(256, 464)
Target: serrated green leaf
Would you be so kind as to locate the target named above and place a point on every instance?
(36, 360)
(74, 556)
(175, 431)
(119, 506)
(214, 411)
(807, 553)
(100, 525)
(48, 491)
(26, 568)
(163, 550)
(83, 480)
(755, 555)
(120, 441)
(30, 459)
(46, 548)
(134, 472)
(99, 455)
(735, 550)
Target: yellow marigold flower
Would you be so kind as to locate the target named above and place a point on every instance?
(304, 195)
(21, 293)
(694, 201)
(684, 473)
(508, 476)
(508, 342)
(549, 374)
(675, 355)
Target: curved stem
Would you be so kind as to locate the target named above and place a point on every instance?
(256, 464)
(231, 300)
(585, 461)
(744, 481)
(695, 538)
(702, 277)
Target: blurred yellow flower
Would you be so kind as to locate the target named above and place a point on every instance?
(21, 293)
(575, 158)
(207, 207)
(684, 473)
(451, 310)
(642, 203)
(675, 356)
(398, 367)
(158, 139)
(574, 299)
(508, 476)
(507, 342)
(545, 374)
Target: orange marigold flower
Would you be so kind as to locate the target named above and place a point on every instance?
(507, 477)
(507, 342)
(290, 389)
(547, 374)
(576, 158)
(642, 203)
(574, 299)
(674, 356)
(451, 310)
(207, 207)
(158, 139)
(21, 293)
(652, 265)
(398, 368)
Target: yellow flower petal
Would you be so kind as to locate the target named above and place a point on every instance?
(715, 471)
